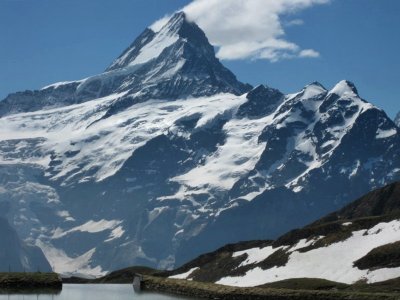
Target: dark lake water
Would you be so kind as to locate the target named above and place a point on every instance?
(93, 291)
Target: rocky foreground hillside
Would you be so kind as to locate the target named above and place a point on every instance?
(359, 243)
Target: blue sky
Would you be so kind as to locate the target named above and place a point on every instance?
(45, 41)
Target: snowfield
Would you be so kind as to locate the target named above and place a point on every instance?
(232, 160)
(334, 262)
(104, 144)
(86, 143)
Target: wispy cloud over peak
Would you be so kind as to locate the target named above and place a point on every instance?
(250, 29)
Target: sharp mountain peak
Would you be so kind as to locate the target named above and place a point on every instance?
(344, 88)
(151, 43)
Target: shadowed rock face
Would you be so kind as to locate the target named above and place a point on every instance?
(167, 155)
(16, 256)
(262, 101)
(397, 120)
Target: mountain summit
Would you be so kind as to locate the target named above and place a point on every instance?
(176, 61)
(150, 44)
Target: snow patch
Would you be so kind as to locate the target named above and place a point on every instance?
(303, 243)
(236, 157)
(312, 91)
(343, 89)
(184, 275)
(256, 255)
(90, 227)
(383, 134)
(116, 233)
(165, 37)
(63, 264)
(58, 84)
(65, 214)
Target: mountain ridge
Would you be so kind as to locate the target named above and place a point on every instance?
(327, 158)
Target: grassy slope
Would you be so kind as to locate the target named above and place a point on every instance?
(22, 281)
(386, 256)
(390, 286)
(313, 284)
(215, 291)
(381, 205)
(121, 276)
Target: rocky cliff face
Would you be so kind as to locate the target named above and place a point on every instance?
(397, 120)
(167, 155)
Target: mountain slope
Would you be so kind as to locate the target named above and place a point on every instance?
(17, 256)
(357, 243)
(321, 149)
(166, 156)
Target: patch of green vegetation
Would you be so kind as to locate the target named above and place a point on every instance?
(77, 280)
(219, 263)
(386, 256)
(26, 281)
(215, 291)
(332, 238)
(306, 284)
(125, 275)
(121, 276)
(207, 258)
(388, 286)
(223, 265)
(332, 231)
(277, 259)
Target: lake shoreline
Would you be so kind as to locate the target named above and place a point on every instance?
(214, 291)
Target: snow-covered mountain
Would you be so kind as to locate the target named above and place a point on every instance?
(167, 155)
(319, 150)
(175, 62)
(359, 243)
